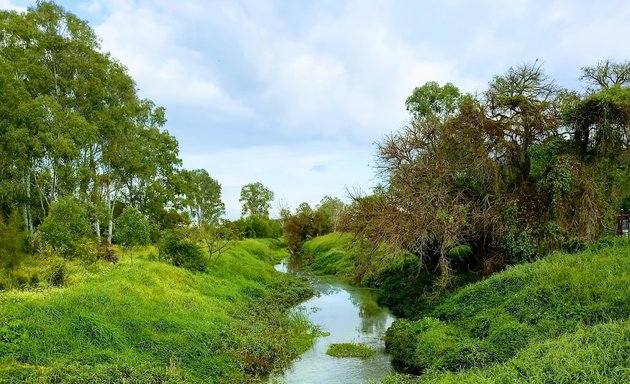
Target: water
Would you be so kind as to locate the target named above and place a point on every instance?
(351, 315)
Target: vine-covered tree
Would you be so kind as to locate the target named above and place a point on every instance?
(520, 170)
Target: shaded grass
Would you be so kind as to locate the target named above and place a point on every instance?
(542, 313)
(152, 322)
(361, 351)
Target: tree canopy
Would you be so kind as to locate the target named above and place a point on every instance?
(514, 172)
(256, 200)
(73, 127)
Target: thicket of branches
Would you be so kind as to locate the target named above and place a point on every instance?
(515, 172)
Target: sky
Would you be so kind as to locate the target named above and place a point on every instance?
(294, 94)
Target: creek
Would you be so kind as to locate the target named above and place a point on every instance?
(350, 315)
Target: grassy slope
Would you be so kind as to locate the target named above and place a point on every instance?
(330, 255)
(152, 322)
(563, 319)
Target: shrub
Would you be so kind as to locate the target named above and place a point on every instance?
(107, 253)
(58, 275)
(66, 228)
(182, 253)
(131, 228)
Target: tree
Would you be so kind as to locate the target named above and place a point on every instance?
(432, 100)
(329, 211)
(299, 227)
(256, 200)
(202, 197)
(73, 125)
(606, 74)
(132, 229)
(525, 105)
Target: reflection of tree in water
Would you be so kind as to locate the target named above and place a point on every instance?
(373, 317)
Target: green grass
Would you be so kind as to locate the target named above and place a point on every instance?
(562, 319)
(331, 254)
(151, 322)
(361, 351)
(598, 354)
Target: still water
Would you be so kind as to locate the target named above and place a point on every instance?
(350, 315)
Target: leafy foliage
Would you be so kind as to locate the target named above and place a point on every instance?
(255, 227)
(256, 200)
(67, 228)
(307, 223)
(182, 253)
(74, 127)
(132, 228)
(514, 173)
(13, 240)
(202, 197)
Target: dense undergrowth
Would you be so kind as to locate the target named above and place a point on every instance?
(563, 319)
(151, 322)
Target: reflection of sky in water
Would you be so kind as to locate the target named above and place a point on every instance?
(351, 315)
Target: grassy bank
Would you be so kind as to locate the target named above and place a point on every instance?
(151, 322)
(597, 354)
(403, 285)
(562, 319)
(331, 254)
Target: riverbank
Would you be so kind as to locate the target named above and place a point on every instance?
(563, 318)
(152, 322)
(401, 282)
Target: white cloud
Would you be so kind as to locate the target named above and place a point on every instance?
(345, 77)
(145, 38)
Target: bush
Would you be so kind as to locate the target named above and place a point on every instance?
(58, 275)
(182, 253)
(106, 253)
(131, 228)
(67, 229)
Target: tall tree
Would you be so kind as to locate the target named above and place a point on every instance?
(202, 197)
(73, 124)
(256, 200)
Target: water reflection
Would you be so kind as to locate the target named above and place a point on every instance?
(350, 314)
